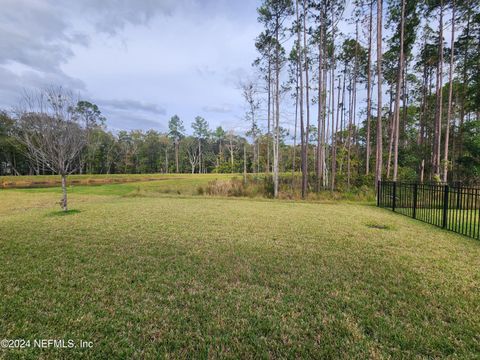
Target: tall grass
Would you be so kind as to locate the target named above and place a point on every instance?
(261, 185)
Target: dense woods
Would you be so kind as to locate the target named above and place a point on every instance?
(343, 95)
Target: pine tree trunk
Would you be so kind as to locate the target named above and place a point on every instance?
(334, 142)
(369, 90)
(392, 129)
(438, 108)
(277, 114)
(296, 123)
(269, 110)
(307, 99)
(396, 116)
(450, 94)
(325, 125)
(302, 127)
(319, 169)
(464, 85)
(353, 115)
(379, 152)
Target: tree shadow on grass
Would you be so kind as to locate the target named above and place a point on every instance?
(63, 213)
(376, 225)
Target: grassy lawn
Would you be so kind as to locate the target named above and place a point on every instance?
(144, 272)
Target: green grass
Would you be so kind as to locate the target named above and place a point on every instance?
(160, 275)
(466, 222)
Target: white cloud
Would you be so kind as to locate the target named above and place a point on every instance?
(141, 61)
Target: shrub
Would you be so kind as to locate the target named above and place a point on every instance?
(232, 187)
(268, 186)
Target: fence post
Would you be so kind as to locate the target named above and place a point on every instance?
(445, 206)
(379, 183)
(415, 192)
(394, 200)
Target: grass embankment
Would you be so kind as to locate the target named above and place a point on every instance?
(171, 276)
(41, 181)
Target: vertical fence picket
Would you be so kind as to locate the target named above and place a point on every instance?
(394, 196)
(477, 212)
(458, 208)
(379, 189)
(415, 194)
(445, 206)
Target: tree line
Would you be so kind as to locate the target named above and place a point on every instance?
(379, 93)
(123, 152)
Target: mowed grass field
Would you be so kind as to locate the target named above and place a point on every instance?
(150, 270)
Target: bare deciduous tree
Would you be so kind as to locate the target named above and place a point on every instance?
(250, 95)
(231, 146)
(193, 152)
(50, 130)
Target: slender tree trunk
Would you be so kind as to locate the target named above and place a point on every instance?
(439, 102)
(404, 102)
(277, 114)
(341, 115)
(14, 161)
(269, 112)
(379, 152)
(302, 127)
(324, 126)
(307, 98)
(220, 151)
(347, 141)
(450, 94)
(296, 123)
(255, 154)
(319, 169)
(355, 127)
(396, 117)
(166, 161)
(421, 120)
(63, 202)
(231, 154)
(392, 130)
(199, 156)
(176, 156)
(422, 171)
(429, 134)
(369, 90)
(334, 135)
(258, 155)
(464, 84)
(352, 119)
(244, 162)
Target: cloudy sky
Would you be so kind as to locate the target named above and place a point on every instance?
(141, 61)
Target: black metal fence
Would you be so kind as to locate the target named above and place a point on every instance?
(454, 208)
